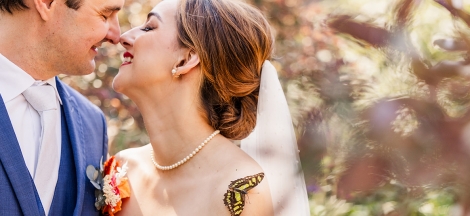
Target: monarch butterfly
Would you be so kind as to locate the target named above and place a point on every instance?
(234, 198)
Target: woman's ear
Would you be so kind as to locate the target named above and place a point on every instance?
(45, 8)
(188, 63)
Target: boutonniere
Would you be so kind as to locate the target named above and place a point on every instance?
(111, 185)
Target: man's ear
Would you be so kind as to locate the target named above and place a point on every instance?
(188, 63)
(45, 8)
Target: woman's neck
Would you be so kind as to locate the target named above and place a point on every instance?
(175, 126)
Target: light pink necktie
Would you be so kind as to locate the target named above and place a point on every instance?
(44, 100)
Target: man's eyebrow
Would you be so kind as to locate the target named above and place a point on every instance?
(110, 9)
(155, 15)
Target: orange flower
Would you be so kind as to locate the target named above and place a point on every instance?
(112, 178)
(109, 166)
(124, 189)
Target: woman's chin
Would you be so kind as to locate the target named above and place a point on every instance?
(118, 85)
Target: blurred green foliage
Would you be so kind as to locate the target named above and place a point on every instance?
(379, 103)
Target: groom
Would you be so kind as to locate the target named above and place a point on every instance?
(49, 133)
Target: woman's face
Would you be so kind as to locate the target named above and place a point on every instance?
(151, 51)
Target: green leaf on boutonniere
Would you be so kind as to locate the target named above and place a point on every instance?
(101, 164)
(93, 174)
(99, 199)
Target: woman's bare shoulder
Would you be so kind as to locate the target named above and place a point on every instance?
(239, 170)
(132, 155)
(237, 164)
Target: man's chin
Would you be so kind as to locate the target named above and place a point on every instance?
(88, 68)
(83, 69)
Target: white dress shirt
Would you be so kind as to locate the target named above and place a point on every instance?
(24, 118)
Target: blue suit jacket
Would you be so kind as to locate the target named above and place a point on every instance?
(87, 131)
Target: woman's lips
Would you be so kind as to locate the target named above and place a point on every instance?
(128, 54)
(128, 57)
(126, 63)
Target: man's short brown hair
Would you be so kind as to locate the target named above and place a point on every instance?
(16, 5)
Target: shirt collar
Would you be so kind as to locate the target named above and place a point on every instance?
(14, 80)
(51, 82)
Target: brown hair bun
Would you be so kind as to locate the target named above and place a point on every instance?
(232, 39)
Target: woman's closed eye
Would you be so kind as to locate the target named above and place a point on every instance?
(147, 28)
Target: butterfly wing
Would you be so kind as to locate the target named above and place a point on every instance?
(234, 202)
(234, 198)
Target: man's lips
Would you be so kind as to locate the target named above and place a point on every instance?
(94, 49)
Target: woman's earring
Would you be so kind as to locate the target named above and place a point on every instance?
(173, 72)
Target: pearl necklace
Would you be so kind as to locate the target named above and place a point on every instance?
(184, 160)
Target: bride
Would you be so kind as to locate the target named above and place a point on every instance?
(194, 71)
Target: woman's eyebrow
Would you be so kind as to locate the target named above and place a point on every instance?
(155, 14)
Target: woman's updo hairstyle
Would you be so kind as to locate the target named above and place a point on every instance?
(232, 39)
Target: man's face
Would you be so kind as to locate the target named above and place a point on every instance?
(75, 35)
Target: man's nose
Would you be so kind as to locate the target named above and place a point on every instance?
(114, 31)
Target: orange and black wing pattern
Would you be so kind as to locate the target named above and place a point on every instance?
(234, 198)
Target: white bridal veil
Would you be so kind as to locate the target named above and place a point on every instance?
(274, 146)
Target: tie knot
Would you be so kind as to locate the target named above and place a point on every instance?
(41, 98)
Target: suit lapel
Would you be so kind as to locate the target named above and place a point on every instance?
(74, 125)
(15, 167)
